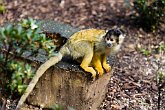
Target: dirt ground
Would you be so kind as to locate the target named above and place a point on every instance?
(133, 84)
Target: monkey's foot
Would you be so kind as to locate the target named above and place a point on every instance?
(100, 71)
(93, 75)
(90, 70)
(107, 67)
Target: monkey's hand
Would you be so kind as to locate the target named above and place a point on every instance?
(107, 67)
(99, 70)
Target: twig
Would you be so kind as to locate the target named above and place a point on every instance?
(7, 54)
(4, 104)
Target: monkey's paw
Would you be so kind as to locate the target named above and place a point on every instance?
(107, 67)
(94, 76)
(100, 71)
(93, 72)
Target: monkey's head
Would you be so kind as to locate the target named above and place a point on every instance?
(114, 37)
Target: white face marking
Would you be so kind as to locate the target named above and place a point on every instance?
(109, 42)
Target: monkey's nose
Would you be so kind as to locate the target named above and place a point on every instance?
(109, 45)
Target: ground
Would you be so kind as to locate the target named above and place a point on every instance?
(133, 84)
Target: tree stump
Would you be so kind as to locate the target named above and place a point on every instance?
(66, 84)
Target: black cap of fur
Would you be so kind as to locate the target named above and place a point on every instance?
(116, 32)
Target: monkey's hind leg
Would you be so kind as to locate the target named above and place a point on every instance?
(106, 66)
(96, 61)
(85, 64)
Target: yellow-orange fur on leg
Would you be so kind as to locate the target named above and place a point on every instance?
(106, 66)
(96, 61)
(85, 64)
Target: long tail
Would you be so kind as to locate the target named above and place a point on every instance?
(39, 73)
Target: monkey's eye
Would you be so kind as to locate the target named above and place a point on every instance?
(111, 39)
(107, 38)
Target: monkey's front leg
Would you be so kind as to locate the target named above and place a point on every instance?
(96, 61)
(106, 66)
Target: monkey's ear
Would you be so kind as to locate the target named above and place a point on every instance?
(109, 31)
(122, 31)
(106, 31)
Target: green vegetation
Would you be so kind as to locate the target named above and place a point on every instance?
(161, 77)
(160, 73)
(160, 51)
(157, 50)
(149, 13)
(161, 63)
(60, 107)
(15, 40)
(2, 8)
(145, 52)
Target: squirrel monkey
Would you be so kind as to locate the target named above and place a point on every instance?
(92, 45)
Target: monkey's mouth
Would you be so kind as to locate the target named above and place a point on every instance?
(109, 45)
